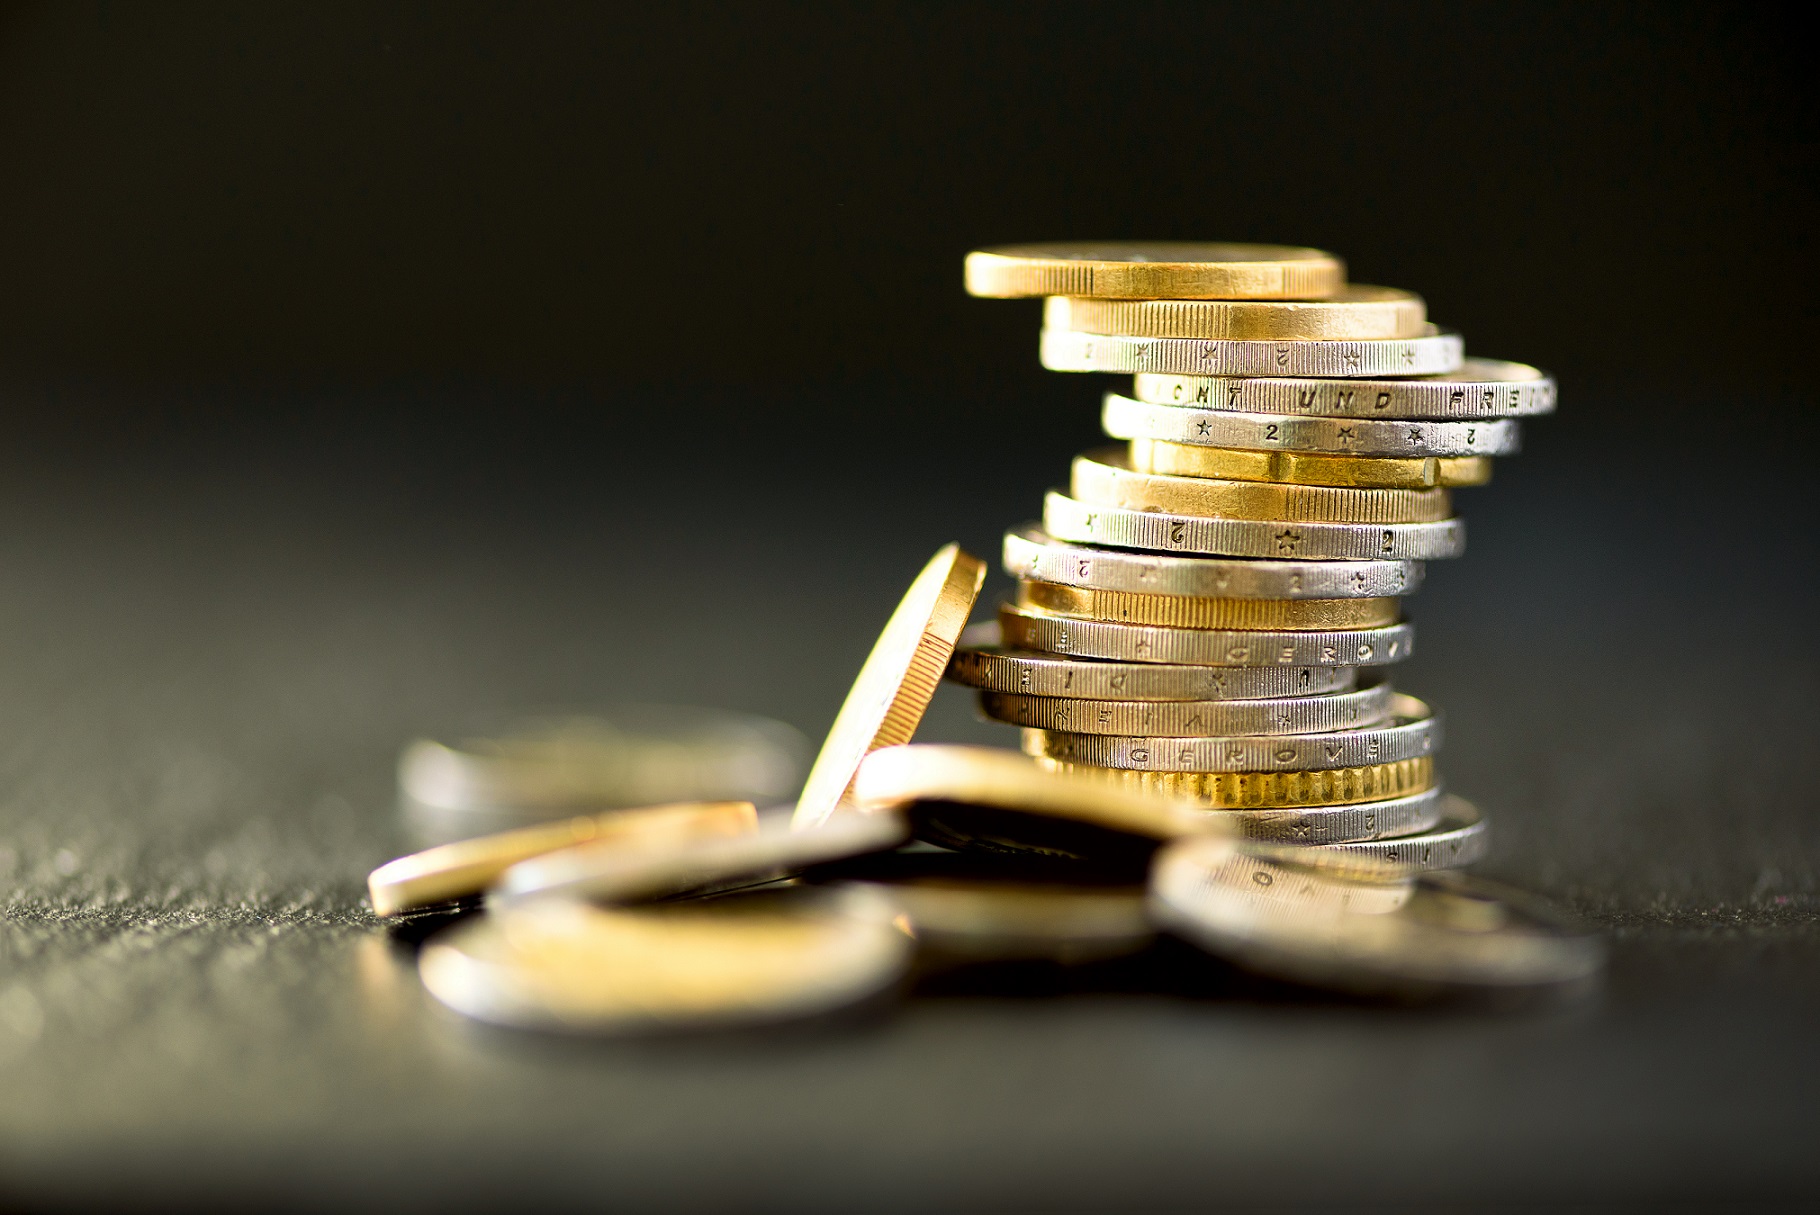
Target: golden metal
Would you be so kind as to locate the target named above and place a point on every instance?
(566, 965)
(1260, 790)
(898, 680)
(1184, 612)
(1105, 478)
(1303, 468)
(454, 871)
(1182, 270)
(1355, 312)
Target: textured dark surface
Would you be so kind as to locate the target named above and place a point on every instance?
(215, 645)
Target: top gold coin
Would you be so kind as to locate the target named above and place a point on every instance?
(1167, 270)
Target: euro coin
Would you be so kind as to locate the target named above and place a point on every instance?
(1197, 612)
(898, 679)
(1354, 311)
(1106, 478)
(1378, 930)
(1481, 388)
(1459, 838)
(1193, 718)
(1183, 270)
(744, 959)
(1079, 522)
(459, 870)
(1305, 468)
(1434, 352)
(1124, 418)
(1032, 629)
(1271, 791)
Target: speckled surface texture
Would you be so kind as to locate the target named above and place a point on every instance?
(209, 654)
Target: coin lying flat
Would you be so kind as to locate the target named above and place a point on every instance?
(898, 679)
(608, 873)
(1031, 629)
(1070, 519)
(1435, 352)
(1198, 612)
(1030, 552)
(736, 960)
(980, 662)
(1377, 930)
(1183, 270)
(979, 907)
(1412, 731)
(1124, 418)
(1481, 388)
(1269, 791)
(458, 870)
(1192, 718)
(1458, 839)
(1354, 311)
(1106, 478)
(1304, 468)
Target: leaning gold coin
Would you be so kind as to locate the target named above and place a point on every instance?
(1354, 312)
(570, 966)
(1183, 270)
(1105, 477)
(1376, 930)
(1193, 612)
(1264, 790)
(1301, 468)
(898, 680)
(454, 871)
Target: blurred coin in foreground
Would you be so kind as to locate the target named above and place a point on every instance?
(458, 870)
(898, 679)
(736, 960)
(1182, 270)
(1373, 928)
(608, 873)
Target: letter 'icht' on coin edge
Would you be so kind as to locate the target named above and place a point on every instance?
(1153, 270)
(898, 680)
(1481, 388)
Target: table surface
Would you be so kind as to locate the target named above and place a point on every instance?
(217, 640)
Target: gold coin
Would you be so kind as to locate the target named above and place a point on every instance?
(1264, 790)
(1105, 478)
(1181, 270)
(898, 680)
(1356, 312)
(1186, 612)
(1302, 468)
(565, 965)
(458, 870)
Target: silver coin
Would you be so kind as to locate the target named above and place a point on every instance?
(1032, 629)
(1481, 388)
(1193, 718)
(1070, 519)
(980, 662)
(1376, 930)
(1436, 353)
(1412, 732)
(1124, 418)
(1359, 821)
(1460, 838)
(1030, 552)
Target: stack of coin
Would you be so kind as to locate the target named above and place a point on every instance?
(1208, 609)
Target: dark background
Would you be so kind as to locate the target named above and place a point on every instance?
(364, 367)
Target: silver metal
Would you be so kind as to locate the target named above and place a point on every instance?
(1031, 629)
(1364, 706)
(1413, 731)
(1124, 418)
(1437, 352)
(1030, 552)
(1359, 822)
(1459, 839)
(1070, 519)
(1481, 388)
(981, 662)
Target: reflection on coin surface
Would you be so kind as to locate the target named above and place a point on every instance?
(898, 679)
(739, 959)
(632, 755)
(454, 871)
(610, 873)
(1182, 270)
(1373, 929)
